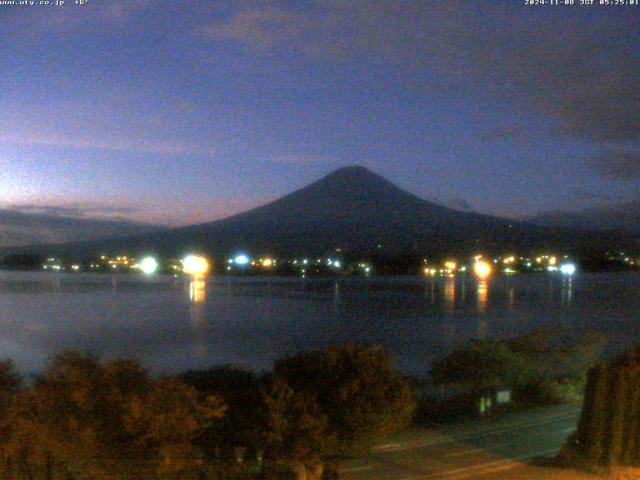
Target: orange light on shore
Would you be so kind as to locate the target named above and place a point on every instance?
(267, 262)
(195, 265)
(450, 265)
(482, 269)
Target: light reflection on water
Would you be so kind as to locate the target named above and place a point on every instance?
(483, 295)
(198, 315)
(178, 323)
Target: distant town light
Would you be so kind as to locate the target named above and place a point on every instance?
(482, 269)
(241, 259)
(450, 265)
(148, 265)
(267, 262)
(195, 265)
(567, 269)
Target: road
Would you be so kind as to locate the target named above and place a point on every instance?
(474, 449)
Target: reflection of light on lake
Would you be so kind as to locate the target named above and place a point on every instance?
(567, 290)
(197, 296)
(483, 295)
(449, 295)
(512, 298)
(430, 291)
(196, 290)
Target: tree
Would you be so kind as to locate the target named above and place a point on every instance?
(166, 422)
(87, 419)
(358, 390)
(296, 435)
(608, 431)
(240, 391)
(10, 387)
(482, 365)
(545, 365)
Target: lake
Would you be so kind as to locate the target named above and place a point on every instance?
(172, 324)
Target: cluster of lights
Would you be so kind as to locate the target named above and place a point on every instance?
(483, 269)
(199, 266)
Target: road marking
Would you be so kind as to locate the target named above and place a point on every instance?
(478, 434)
(465, 452)
(355, 469)
(476, 450)
(387, 446)
(483, 468)
(497, 466)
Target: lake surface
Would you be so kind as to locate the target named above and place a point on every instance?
(172, 324)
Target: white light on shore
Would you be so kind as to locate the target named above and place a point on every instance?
(567, 269)
(148, 265)
(241, 259)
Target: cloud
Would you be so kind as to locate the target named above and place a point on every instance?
(74, 210)
(617, 164)
(591, 196)
(577, 69)
(261, 28)
(121, 143)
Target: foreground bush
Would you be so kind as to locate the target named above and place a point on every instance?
(86, 419)
(544, 366)
(346, 398)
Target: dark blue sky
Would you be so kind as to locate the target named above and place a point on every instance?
(179, 112)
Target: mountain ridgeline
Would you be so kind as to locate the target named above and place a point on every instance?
(356, 211)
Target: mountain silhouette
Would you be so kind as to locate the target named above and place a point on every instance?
(351, 209)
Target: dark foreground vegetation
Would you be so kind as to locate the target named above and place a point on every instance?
(86, 419)
(608, 433)
(545, 366)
